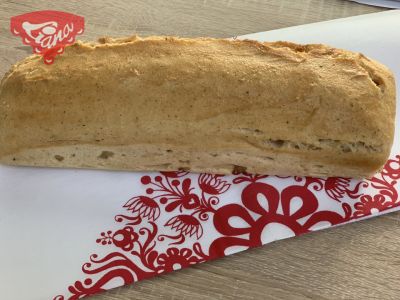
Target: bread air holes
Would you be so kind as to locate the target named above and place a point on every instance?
(238, 169)
(378, 81)
(106, 154)
(59, 157)
(277, 143)
(289, 144)
(345, 148)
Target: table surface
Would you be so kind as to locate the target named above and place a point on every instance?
(356, 261)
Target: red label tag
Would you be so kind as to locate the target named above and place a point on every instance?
(47, 31)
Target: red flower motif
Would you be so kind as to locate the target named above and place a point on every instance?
(144, 207)
(175, 259)
(180, 199)
(257, 215)
(190, 201)
(184, 225)
(369, 205)
(336, 187)
(212, 184)
(125, 238)
(187, 225)
(386, 181)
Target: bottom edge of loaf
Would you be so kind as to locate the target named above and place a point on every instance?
(152, 158)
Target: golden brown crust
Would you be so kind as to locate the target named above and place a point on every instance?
(202, 104)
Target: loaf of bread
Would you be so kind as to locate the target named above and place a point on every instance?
(202, 104)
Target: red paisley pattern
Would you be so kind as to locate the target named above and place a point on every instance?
(184, 219)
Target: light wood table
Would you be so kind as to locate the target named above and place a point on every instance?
(357, 261)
